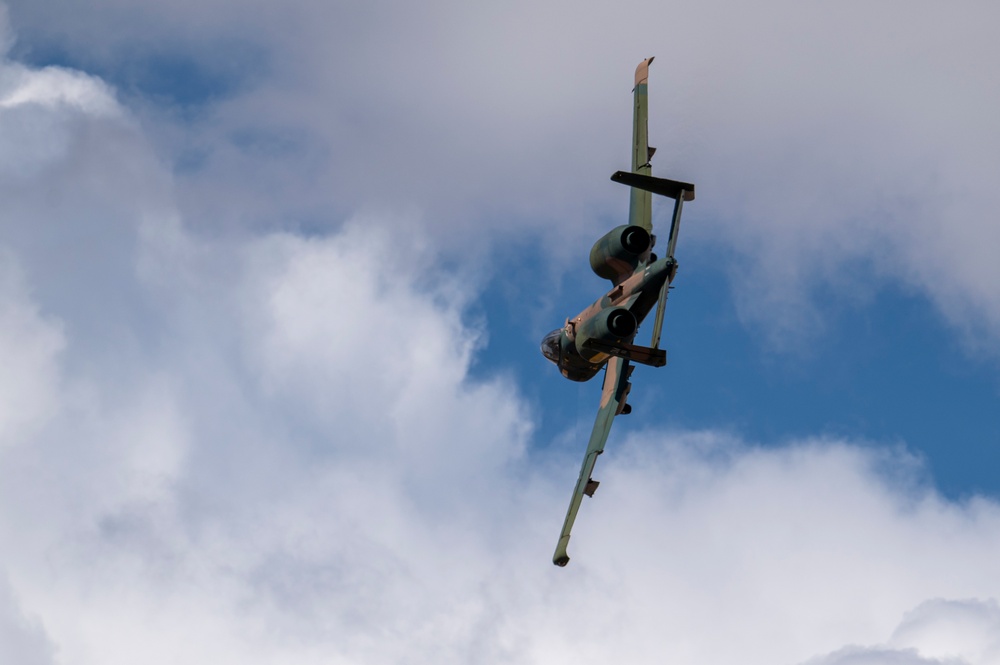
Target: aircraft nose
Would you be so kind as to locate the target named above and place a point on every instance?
(550, 345)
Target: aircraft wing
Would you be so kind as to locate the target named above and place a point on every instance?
(640, 202)
(613, 395)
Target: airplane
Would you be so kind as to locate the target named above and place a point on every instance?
(603, 335)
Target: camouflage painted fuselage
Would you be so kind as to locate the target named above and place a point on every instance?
(578, 357)
(603, 335)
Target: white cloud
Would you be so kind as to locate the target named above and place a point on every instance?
(269, 449)
(835, 150)
(22, 640)
(38, 108)
(958, 629)
(29, 349)
(958, 632)
(700, 549)
(878, 656)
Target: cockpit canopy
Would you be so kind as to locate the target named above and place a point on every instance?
(551, 344)
(570, 364)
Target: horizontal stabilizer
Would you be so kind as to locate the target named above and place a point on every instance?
(669, 188)
(643, 355)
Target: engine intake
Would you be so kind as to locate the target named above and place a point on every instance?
(617, 253)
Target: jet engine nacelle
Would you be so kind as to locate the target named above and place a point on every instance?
(614, 324)
(617, 253)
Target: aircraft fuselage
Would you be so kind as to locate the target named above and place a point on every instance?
(581, 348)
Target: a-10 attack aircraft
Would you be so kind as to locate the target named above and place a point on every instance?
(603, 334)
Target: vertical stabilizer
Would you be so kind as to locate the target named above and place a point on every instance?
(640, 204)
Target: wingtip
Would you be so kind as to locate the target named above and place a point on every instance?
(561, 558)
(642, 71)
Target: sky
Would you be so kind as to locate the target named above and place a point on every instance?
(273, 278)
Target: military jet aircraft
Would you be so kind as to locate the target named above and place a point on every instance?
(603, 335)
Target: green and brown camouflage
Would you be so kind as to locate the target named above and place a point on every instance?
(603, 335)
(640, 205)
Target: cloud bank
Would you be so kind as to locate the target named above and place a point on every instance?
(269, 449)
(837, 151)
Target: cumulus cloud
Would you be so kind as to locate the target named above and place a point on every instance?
(269, 448)
(965, 629)
(835, 151)
(30, 348)
(21, 638)
(937, 631)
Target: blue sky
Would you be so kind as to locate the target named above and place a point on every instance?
(888, 371)
(273, 278)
